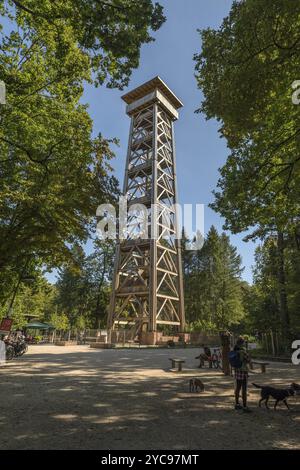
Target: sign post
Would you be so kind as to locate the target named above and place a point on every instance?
(6, 324)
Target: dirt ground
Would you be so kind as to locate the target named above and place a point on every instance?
(79, 398)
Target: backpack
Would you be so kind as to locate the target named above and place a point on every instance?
(234, 359)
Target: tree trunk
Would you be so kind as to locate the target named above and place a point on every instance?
(272, 343)
(277, 343)
(283, 304)
(97, 310)
(267, 343)
(225, 342)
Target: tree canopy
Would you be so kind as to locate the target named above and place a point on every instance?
(213, 289)
(54, 170)
(246, 70)
(96, 36)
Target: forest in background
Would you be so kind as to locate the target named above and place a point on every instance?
(216, 297)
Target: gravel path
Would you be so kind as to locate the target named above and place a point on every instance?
(80, 398)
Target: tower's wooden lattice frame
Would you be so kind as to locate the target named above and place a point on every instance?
(147, 287)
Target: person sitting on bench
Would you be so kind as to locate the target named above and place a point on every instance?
(206, 356)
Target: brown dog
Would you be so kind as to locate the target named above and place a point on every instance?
(196, 384)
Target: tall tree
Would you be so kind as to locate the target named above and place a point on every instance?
(35, 297)
(72, 292)
(98, 275)
(213, 292)
(108, 34)
(53, 172)
(246, 70)
(266, 314)
(277, 305)
(83, 286)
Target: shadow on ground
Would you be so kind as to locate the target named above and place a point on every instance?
(60, 398)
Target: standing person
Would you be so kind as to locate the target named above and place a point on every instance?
(241, 375)
(215, 359)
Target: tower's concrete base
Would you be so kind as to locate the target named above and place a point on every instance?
(157, 337)
(102, 345)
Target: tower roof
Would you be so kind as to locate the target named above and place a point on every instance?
(155, 84)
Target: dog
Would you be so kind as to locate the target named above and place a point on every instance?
(296, 387)
(196, 384)
(279, 394)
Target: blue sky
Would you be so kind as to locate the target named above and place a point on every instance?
(199, 149)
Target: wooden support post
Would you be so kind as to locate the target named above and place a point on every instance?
(154, 230)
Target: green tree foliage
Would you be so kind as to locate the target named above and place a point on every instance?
(105, 34)
(78, 300)
(246, 70)
(83, 286)
(213, 289)
(60, 321)
(53, 172)
(98, 275)
(293, 285)
(72, 295)
(34, 298)
(265, 307)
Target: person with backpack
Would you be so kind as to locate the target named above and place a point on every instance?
(239, 360)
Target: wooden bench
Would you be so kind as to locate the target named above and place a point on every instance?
(261, 364)
(202, 362)
(177, 362)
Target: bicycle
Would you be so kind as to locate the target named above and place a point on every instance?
(10, 351)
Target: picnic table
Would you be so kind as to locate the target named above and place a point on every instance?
(177, 362)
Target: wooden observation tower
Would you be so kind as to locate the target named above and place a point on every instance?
(147, 289)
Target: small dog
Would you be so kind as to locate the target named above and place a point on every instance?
(279, 394)
(196, 384)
